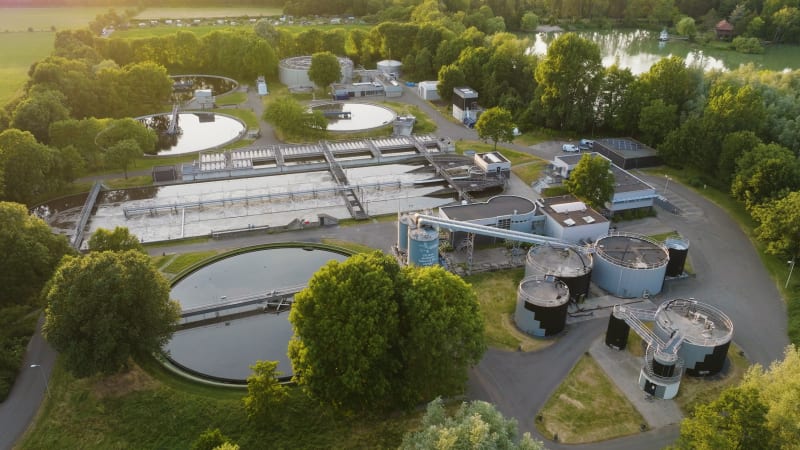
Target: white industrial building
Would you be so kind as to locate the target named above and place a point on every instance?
(204, 98)
(493, 162)
(427, 90)
(465, 105)
(508, 212)
(570, 220)
(630, 192)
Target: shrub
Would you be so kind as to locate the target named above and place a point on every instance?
(747, 45)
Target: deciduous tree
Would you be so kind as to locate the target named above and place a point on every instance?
(265, 394)
(779, 225)
(31, 253)
(766, 172)
(476, 424)
(592, 181)
(123, 153)
(324, 69)
(496, 125)
(25, 166)
(368, 333)
(119, 239)
(734, 420)
(569, 78)
(106, 307)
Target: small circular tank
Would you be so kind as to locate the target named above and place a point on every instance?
(706, 332)
(678, 248)
(423, 246)
(403, 225)
(390, 66)
(629, 265)
(566, 264)
(618, 330)
(541, 306)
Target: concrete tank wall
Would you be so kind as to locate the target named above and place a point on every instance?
(541, 306)
(629, 266)
(566, 264)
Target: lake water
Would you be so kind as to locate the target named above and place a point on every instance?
(228, 351)
(639, 49)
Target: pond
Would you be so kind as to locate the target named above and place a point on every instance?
(639, 49)
(226, 350)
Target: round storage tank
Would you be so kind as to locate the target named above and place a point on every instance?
(678, 249)
(566, 264)
(390, 66)
(293, 72)
(706, 333)
(423, 246)
(617, 330)
(629, 265)
(402, 232)
(541, 306)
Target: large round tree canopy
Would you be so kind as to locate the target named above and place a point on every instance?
(105, 307)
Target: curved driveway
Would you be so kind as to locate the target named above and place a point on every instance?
(729, 275)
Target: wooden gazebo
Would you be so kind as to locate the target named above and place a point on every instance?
(724, 30)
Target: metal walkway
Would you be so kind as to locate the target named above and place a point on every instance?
(176, 207)
(86, 212)
(276, 300)
(173, 124)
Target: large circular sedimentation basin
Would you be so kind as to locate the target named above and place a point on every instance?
(225, 350)
(196, 131)
(355, 116)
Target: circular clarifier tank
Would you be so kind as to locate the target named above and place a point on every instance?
(195, 131)
(355, 116)
(225, 347)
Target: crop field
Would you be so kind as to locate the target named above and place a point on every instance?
(19, 48)
(39, 19)
(17, 52)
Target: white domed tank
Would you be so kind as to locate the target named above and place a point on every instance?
(629, 265)
(541, 306)
(423, 246)
(564, 263)
(403, 225)
(390, 66)
(706, 332)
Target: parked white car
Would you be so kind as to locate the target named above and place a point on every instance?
(570, 148)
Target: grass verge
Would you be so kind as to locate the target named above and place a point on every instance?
(587, 407)
(513, 156)
(232, 99)
(497, 296)
(153, 409)
(352, 246)
(529, 172)
(185, 260)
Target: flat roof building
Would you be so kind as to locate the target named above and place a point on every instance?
(627, 153)
(571, 220)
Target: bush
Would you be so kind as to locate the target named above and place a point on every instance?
(17, 324)
(747, 45)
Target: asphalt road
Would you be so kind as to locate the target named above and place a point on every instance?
(729, 275)
(18, 410)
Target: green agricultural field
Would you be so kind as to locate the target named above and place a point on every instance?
(204, 13)
(19, 48)
(21, 19)
(17, 52)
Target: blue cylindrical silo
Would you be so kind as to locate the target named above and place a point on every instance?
(423, 246)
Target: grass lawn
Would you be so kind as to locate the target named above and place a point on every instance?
(513, 156)
(588, 407)
(542, 134)
(185, 260)
(153, 409)
(497, 295)
(245, 115)
(352, 246)
(232, 99)
(529, 172)
(18, 50)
